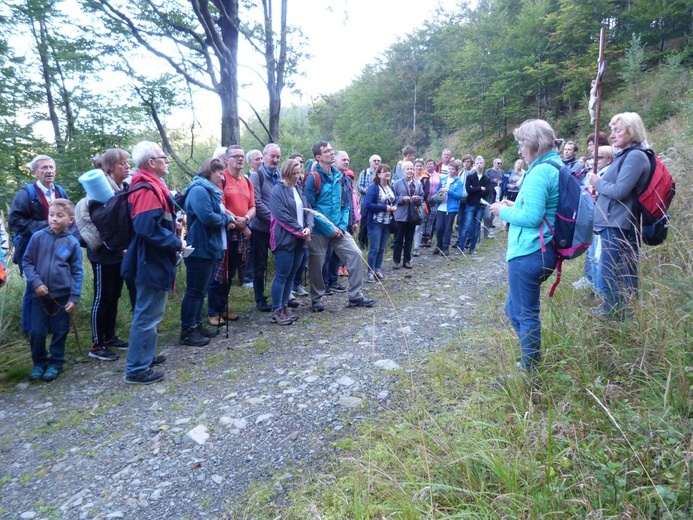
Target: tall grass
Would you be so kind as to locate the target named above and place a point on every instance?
(603, 430)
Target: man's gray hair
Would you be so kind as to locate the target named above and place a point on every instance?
(339, 154)
(267, 147)
(34, 162)
(143, 151)
(374, 156)
(251, 155)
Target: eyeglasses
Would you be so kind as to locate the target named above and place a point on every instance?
(601, 157)
(163, 158)
(235, 157)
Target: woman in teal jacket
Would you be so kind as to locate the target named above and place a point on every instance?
(529, 265)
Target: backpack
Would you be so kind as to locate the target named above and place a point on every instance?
(113, 220)
(572, 234)
(20, 242)
(654, 199)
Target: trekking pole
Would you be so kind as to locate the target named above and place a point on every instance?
(225, 281)
(74, 329)
(596, 93)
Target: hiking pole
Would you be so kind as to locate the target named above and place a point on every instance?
(595, 104)
(74, 329)
(225, 281)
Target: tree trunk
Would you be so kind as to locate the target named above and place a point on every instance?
(227, 89)
(42, 48)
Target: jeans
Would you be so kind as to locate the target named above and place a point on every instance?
(428, 223)
(525, 276)
(472, 225)
(198, 273)
(444, 222)
(298, 279)
(286, 263)
(618, 263)
(403, 240)
(149, 310)
(379, 235)
(260, 240)
(48, 314)
(108, 285)
(330, 269)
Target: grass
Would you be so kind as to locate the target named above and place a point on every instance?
(603, 430)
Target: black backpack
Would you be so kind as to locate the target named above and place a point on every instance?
(113, 220)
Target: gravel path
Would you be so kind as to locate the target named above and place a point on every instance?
(242, 410)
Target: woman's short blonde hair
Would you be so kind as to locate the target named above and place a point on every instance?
(607, 152)
(288, 167)
(537, 135)
(632, 124)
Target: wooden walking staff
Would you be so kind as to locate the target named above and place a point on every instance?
(595, 105)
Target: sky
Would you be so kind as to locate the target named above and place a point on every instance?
(342, 36)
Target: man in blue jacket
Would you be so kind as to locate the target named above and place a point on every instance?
(150, 259)
(328, 197)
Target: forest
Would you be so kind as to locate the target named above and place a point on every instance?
(462, 79)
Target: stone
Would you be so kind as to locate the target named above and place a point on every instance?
(387, 364)
(115, 514)
(345, 381)
(28, 515)
(218, 479)
(405, 330)
(383, 395)
(198, 434)
(265, 417)
(349, 402)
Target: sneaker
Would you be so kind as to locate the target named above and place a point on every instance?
(158, 360)
(102, 353)
(207, 333)
(380, 275)
(583, 283)
(117, 343)
(279, 317)
(229, 316)
(407, 265)
(445, 252)
(396, 266)
(51, 373)
(299, 290)
(458, 251)
(193, 338)
(217, 321)
(328, 291)
(248, 285)
(415, 252)
(436, 251)
(36, 373)
(317, 306)
(146, 377)
(362, 301)
(338, 287)
(342, 271)
(293, 304)
(370, 278)
(263, 306)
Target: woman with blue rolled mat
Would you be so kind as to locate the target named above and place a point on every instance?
(207, 224)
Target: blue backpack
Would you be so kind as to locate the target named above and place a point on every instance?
(574, 229)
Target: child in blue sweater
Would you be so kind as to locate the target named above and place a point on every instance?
(53, 268)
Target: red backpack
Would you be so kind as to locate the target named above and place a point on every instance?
(654, 199)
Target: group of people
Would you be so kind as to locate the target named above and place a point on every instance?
(307, 216)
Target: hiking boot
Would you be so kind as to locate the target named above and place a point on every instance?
(263, 306)
(146, 377)
(207, 333)
(117, 343)
(317, 306)
(193, 338)
(51, 373)
(158, 360)
(102, 353)
(379, 275)
(370, 278)
(290, 315)
(229, 316)
(338, 287)
(299, 290)
(36, 373)
(217, 321)
(293, 304)
(361, 301)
